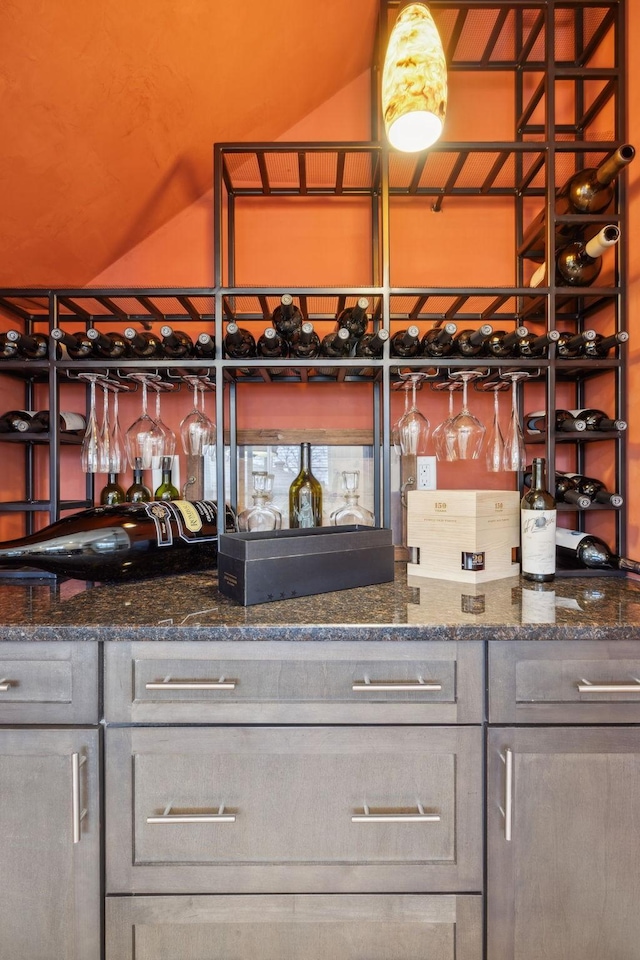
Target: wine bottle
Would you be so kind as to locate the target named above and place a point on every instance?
(271, 344)
(406, 343)
(287, 318)
(32, 347)
(438, 342)
(570, 346)
(536, 345)
(112, 492)
(354, 319)
(580, 262)
(602, 346)
(138, 492)
(79, 346)
(67, 421)
(305, 342)
(144, 344)
(469, 343)
(538, 527)
(16, 421)
(238, 342)
(593, 420)
(502, 344)
(372, 344)
(108, 346)
(204, 346)
(586, 550)
(566, 489)
(166, 490)
(176, 344)
(305, 494)
(8, 349)
(588, 191)
(536, 422)
(337, 344)
(595, 490)
(123, 542)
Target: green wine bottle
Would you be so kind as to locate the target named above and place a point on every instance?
(538, 527)
(137, 492)
(112, 492)
(305, 494)
(166, 490)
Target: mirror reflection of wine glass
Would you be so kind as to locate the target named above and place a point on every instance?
(413, 426)
(515, 451)
(468, 430)
(494, 453)
(197, 431)
(143, 440)
(444, 438)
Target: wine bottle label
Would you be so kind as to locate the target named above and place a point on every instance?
(472, 561)
(191, 517)
(180, 518)
(538, 541)
(570, 539)
(73, 421)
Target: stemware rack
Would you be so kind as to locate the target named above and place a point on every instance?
(541, 46)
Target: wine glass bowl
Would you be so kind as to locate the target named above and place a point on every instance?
(413, 427)
(197, 431)
(143, 439)
(494, 452)
(443, 436)
(515, 451)
(465, 428)
(90, 451)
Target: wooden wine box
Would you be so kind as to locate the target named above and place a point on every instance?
(464, 535)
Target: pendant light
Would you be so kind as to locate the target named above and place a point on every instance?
(414, 81)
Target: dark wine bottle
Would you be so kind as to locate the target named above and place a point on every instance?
(502, 344)
(305, 494)
(538, 527)
(438, 342)
(570, 346)
(594, 420)
(8, 349)
(602, 346)
(286, 317)
(337, 344)
(126, 541)
(271, 344)
(112, 493)
(588, 191)
(586, 550)
(305, 342)
(108, 346)
(566, 490)
(67, 421)
(138, 492)
(30, 346)
(204, 346)
(580, 262)
(166, 490)
(16, 421)
(239, 343)
(536, 422)
(406, 343)
(144, 344)
(354, 319)
(536, 346)
(176, 344)
(469, 343)
(595, 490)
(79, 346)
(372, 344)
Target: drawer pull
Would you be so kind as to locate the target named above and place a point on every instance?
(78, 813)
(507, 810)
(395, 686)
(5, 685)
(390, 817)
(169, 684)
(586, 687)
(219, 817)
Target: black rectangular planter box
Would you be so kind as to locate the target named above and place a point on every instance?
(281, 564)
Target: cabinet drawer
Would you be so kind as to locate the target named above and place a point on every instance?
(248, 809)
(564, 682)
(287, 927)
(49, 682)
(282, 682)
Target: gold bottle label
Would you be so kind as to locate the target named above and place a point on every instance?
(191, 517)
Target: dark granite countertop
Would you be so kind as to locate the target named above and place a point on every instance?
(190, 607)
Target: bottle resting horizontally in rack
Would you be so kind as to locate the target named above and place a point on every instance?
(538, 527)
(305, 494)
(34, 346)
(470, 343)
(79, 346)
(144, 344)
(406, 343)
(438, 341)
(354, 319)
(176, 344)
(239, 343)
(305, 342)
(127, 541)
(580, 262)
(287, 318)
(594, 489)
(586, 550)
(108, 346)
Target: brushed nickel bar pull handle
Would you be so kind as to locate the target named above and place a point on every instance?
(219, 817)
(5, 685)
(393, 686)
(390, 817)
(586, 687)
(507, 811)
(78, 813)
(168, 684)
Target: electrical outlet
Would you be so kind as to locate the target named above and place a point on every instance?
(426, 473)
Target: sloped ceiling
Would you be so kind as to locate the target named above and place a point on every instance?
(108, 111)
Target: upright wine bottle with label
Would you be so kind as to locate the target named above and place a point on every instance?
(305, 494)
(538, 527)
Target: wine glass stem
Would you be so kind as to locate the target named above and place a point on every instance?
(464, 394)
(144, 398)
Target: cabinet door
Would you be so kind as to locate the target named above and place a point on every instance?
(290, 927)
(563, 844)
(50, 853)
(283, 809)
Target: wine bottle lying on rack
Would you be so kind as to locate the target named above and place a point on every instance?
(79, 346)
(16, 421)
(8, 349)
(571, 346)
(271, 344)
(176, 344)
(586, 550)
(439, 342)
(144, 344)
(239, 343)
(594, 489)
(502, 344)
(354, 319)
(580, 262)
(372, 344)
(566, 490)
(204, 346)
(602, 346)
(470, 343)
(337, 344)
(287, 318)
(32, 421)
(33, 346)
(406, 343)
(572, 421)
(108, 346)
(305, 342)
(127, 541)
(534, 346)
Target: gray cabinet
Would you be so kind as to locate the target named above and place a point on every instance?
(563, 880)
(50, 850)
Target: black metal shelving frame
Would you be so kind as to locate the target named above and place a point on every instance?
(542, 44)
